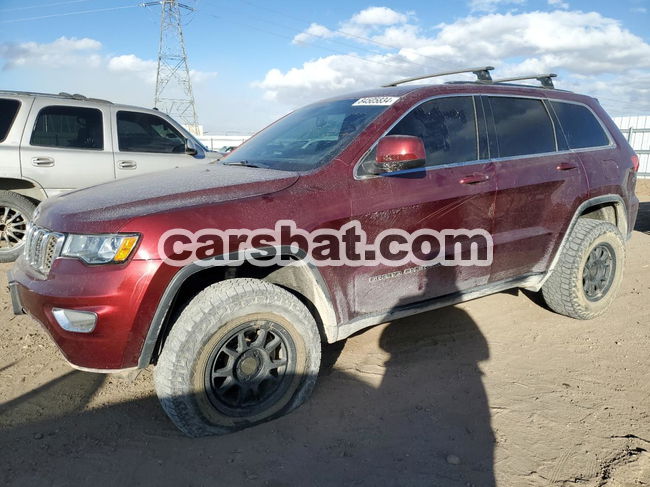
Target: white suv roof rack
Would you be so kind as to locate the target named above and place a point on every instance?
(62, 94)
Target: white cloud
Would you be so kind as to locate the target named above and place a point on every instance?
(639, 10)
(81, 54)
(313, 31)
(584, 47)
(359, 27)
(146, 69)
(491, 5)
(378, 16)
(558, 4)
(80, 66)
(130, 63)
(60, 53)
(202, 76)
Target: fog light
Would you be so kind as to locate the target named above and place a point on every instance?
(75, 321)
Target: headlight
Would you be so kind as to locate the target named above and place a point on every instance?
(99, 249)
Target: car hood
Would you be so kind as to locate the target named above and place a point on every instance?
(107, 207)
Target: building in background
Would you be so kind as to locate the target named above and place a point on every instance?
(217, 142)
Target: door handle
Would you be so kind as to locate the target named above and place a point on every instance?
(127, 164)
(474, 178)
(565, 166)
(42, 161)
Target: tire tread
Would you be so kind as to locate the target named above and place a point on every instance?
(562, 288)
(197, 321)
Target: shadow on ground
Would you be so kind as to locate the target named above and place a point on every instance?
(643, 218)
(413, 413)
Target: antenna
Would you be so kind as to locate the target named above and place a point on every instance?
(174, 94)
(482, 74)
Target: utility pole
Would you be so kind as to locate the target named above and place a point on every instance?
(174, 94)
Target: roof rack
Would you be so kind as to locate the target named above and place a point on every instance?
(545, 79)
(482, 74)
(78, 96)
(62, 94)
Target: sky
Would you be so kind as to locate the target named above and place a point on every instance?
(253, 61)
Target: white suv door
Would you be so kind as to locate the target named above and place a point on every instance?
(67, 145)
(147, 142)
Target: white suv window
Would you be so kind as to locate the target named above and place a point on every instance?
(69, 127)
(143, 132)
(8, 111)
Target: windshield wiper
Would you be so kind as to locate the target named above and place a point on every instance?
(241, 163)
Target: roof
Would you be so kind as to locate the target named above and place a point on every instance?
(467, 87)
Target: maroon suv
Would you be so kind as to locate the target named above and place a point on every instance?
(545, 172)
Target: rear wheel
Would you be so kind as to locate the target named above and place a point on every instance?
(589, 271)
(243, 351)
(15, 214)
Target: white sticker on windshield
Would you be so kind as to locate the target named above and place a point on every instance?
(376, 100)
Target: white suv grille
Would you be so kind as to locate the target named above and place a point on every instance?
(42, 247)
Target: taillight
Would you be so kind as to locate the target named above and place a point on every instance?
(635, 162)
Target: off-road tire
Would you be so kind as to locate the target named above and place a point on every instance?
(14, 202)
(564, 291)
(221, 309)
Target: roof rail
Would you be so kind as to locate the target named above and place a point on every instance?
(545, 79)
(482, 73)
(62, 94)
(78, 96)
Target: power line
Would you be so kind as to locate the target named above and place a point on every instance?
(79, 12)
(338, 31)
(300, 30)
(43, 5)
(372, 41)
(316, 45)
(336, 51)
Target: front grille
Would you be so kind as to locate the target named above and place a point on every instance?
(42, 247)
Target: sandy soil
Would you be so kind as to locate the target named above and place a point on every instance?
(496, 389)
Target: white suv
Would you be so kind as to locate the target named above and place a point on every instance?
(50, 144)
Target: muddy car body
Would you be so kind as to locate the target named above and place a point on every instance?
(544, 171)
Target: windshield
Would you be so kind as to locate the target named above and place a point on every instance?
(308, 137)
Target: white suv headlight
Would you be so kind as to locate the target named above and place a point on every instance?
(99, 249)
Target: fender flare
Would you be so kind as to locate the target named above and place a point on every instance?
(23, 186)
(302, 277)
(621, 219)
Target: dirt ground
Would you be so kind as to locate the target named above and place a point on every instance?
(497, 389)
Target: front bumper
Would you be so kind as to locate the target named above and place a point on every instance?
(120, 296)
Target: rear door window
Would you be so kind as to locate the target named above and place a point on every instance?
(448, 128)
(69, 127)
(143, 132)
(523, 126)
(8, 111)
(580, 126)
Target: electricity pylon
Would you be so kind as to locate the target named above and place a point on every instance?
(174, 94)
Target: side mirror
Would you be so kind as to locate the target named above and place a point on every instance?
(190, 148)
(399, 152)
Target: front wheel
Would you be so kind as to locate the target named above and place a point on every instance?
(15, 214)
(242, 352)
(589, 271)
